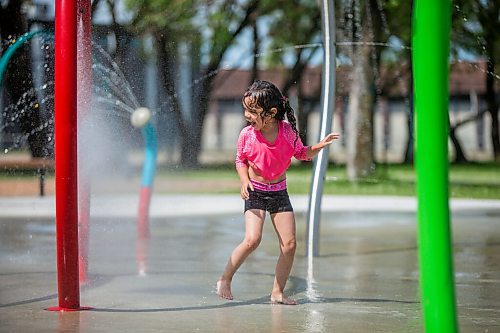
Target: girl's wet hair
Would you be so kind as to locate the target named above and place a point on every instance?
(265, 95)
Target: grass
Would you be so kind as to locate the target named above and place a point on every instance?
(466, 181)
(474, 180)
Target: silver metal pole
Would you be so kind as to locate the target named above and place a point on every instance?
(328, 106)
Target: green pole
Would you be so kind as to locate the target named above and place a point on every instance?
(431, 32)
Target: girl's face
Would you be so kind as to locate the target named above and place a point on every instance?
(253, 114)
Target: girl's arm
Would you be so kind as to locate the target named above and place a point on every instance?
(315, 149)
(245, 182)
(242, 165)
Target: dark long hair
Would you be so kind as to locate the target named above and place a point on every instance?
(266, 95)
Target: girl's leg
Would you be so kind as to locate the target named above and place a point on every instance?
(284, 224)
(254, 221)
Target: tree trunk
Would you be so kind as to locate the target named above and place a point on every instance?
(409, 152)
(191, 130)
(492, 108)
(302, 117)
(488, 18)
(256, 50)
(166, 68)
(191, 145)
(459, 153)
(360, 127)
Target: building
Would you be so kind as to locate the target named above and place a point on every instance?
(391, 131)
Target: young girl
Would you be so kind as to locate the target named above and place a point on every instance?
(264, 153)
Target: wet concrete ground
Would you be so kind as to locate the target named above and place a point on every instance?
(366, 279)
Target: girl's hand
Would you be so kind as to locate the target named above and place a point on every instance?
(329, 139)
(245, 185)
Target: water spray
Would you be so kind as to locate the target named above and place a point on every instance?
(140, 117)
(11, 50)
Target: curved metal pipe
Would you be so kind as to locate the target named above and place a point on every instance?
(148, 174)
(147, 180)
(4, 60)
(328, 106)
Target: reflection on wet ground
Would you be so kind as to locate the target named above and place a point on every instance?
(366, 279)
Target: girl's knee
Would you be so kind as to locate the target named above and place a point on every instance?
(252, 242)
(289, 247)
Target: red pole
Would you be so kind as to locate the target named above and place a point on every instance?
(66, 156)
(84, 98)
(143, 213)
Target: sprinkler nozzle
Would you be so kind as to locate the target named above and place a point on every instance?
(140, 117)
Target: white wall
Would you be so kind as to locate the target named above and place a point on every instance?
(233, 122)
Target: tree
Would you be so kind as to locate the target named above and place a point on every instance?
(475, 29)
(208, 30)
(294, 30)
(169, 23)
(361, 30)
(399, 27)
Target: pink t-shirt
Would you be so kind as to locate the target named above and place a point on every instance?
(269, 160)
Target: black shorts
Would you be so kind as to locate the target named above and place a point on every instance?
(271, 201)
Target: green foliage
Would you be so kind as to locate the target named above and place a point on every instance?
(171, 17)
(475, 27)
(290, 23)
(188, 20)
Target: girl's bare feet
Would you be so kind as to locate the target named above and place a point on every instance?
(282, 299)
(224, 289)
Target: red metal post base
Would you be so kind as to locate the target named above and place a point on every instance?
(62, 309)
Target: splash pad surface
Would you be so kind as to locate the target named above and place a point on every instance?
(365, 280)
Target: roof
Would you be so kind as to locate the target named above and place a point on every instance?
(394, 81)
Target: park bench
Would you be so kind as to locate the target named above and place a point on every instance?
(40, 165)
